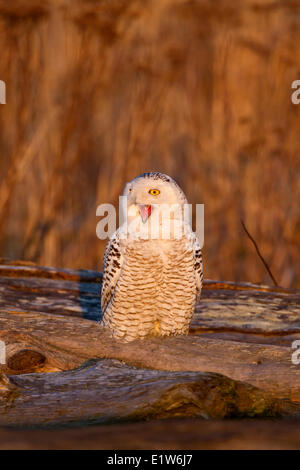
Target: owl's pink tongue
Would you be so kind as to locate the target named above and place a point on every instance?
(145, 212)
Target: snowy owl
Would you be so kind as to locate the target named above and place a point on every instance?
(152, 264)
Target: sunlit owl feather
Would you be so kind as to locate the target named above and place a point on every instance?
(152, 264)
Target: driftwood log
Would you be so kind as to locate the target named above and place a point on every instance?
(63, 369)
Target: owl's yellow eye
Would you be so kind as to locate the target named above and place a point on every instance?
(154, 192)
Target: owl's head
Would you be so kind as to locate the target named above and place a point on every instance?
(152, 193)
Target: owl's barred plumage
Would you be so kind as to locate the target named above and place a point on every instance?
(150, 285)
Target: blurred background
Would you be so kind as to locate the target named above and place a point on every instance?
(99, 91)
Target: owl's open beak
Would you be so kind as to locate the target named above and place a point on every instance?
(145, 211)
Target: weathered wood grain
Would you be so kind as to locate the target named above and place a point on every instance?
(249, 310)
(67, 342)
(224, 306)
(108, 391)
(242, 331)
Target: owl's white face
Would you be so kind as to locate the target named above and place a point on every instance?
(149, 198)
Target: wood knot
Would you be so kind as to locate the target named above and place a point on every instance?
(26, 360)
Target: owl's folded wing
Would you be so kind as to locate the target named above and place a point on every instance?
(112, 265)
(198, 266)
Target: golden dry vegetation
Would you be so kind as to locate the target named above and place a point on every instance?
(99, 91)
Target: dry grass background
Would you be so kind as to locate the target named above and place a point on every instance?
(99, 91)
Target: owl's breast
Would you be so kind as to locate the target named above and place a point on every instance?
(161, 271)
(156, 291)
